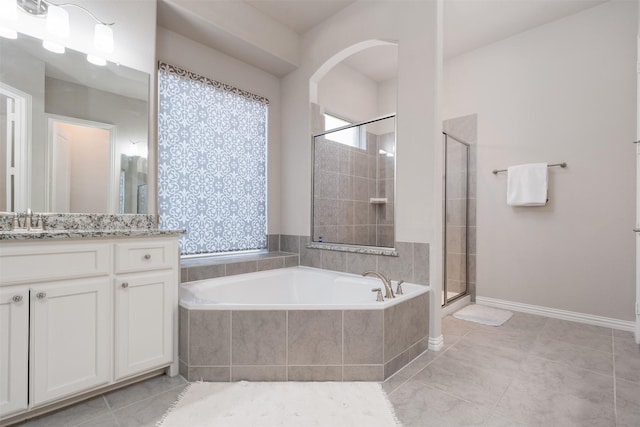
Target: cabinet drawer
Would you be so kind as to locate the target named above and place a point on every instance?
(20, 263)
(145, 255)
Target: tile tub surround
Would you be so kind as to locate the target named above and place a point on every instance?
(409, 262)
(302, 345)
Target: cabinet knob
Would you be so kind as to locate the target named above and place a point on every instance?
(17, 298)
(41, 295)
(125, 285)
(147, 256)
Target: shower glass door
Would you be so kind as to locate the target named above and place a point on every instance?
(456, 217)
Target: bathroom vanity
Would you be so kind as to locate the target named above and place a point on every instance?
(84, 311)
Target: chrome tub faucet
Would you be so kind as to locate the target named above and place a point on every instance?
(387, 283)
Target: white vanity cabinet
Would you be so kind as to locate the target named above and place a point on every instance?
(144, 305)
(80, 314)
(70, 338)
(14, 348)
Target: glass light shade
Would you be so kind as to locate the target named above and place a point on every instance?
(103, 38)
(53, 46)
(8, 33)
(57, 21)
(9, 10)
(96, 60)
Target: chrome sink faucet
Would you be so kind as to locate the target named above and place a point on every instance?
(387, 282)
(32, 222)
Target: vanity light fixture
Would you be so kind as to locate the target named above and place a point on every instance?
(9, 14)
(57, 25)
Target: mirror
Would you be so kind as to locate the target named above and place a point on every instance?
(354, 183)
(73, 135)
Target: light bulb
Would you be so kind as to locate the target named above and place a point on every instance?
(103, 38)
(8, 33)
(53, 46)
(57, 21)
(96, 60)
(8, 14)
(9, 10)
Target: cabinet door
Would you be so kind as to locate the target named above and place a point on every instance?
(70, 338)
(143, 322)
(14, 349)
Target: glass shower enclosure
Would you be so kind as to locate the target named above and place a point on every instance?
(456, 219)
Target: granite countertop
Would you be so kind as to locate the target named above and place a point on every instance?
(78, 234)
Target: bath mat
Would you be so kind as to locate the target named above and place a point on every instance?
(266, 404)
(483, 314)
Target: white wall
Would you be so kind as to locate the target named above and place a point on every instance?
(564, 91)
(180, 51)
(348, 93)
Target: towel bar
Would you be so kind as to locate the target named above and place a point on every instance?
(562, 165)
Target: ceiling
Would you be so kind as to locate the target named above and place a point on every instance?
(468, 25)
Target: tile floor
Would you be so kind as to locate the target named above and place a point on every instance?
(532, 371)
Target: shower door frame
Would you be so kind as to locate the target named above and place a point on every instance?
(447, 300)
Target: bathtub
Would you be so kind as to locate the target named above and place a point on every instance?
(298, 324)
(293, 288)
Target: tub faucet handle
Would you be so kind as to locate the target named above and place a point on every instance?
(379, 296)
(399, 288)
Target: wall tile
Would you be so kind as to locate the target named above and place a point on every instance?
(201, 272)
(273, 243)
(291, 261)
(359, 263)
(310, 257)
(209, 373)
(360, 164)
(270, 263)
(346, 212)
(396, 364)
(241, 268)
(184, 275)
(421, 263)
(315, 337)
(183, 333)
(361, 189)
(400, 267)
(258, 337)
(363, 341)
(289, 243)
(404, 325)
(314, 373)
(345, 234)
(209, 337)
(345, 187)
(361, 213)
(344, 161)
(258, 373)
(363, 373)
(334, 260)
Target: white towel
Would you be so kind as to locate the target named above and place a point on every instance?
(527, 185)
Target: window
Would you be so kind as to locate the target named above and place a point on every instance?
(212, 157)
(350, 137)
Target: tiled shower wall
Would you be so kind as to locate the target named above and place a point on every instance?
(345, 180)
(464, 128)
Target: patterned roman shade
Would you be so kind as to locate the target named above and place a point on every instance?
(212, 156)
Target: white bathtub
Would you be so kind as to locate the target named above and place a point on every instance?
(293, 288)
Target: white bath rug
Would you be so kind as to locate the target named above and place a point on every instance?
(483, 314)
(267, 404)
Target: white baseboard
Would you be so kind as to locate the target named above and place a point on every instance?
(455, 306)
(573, 316)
